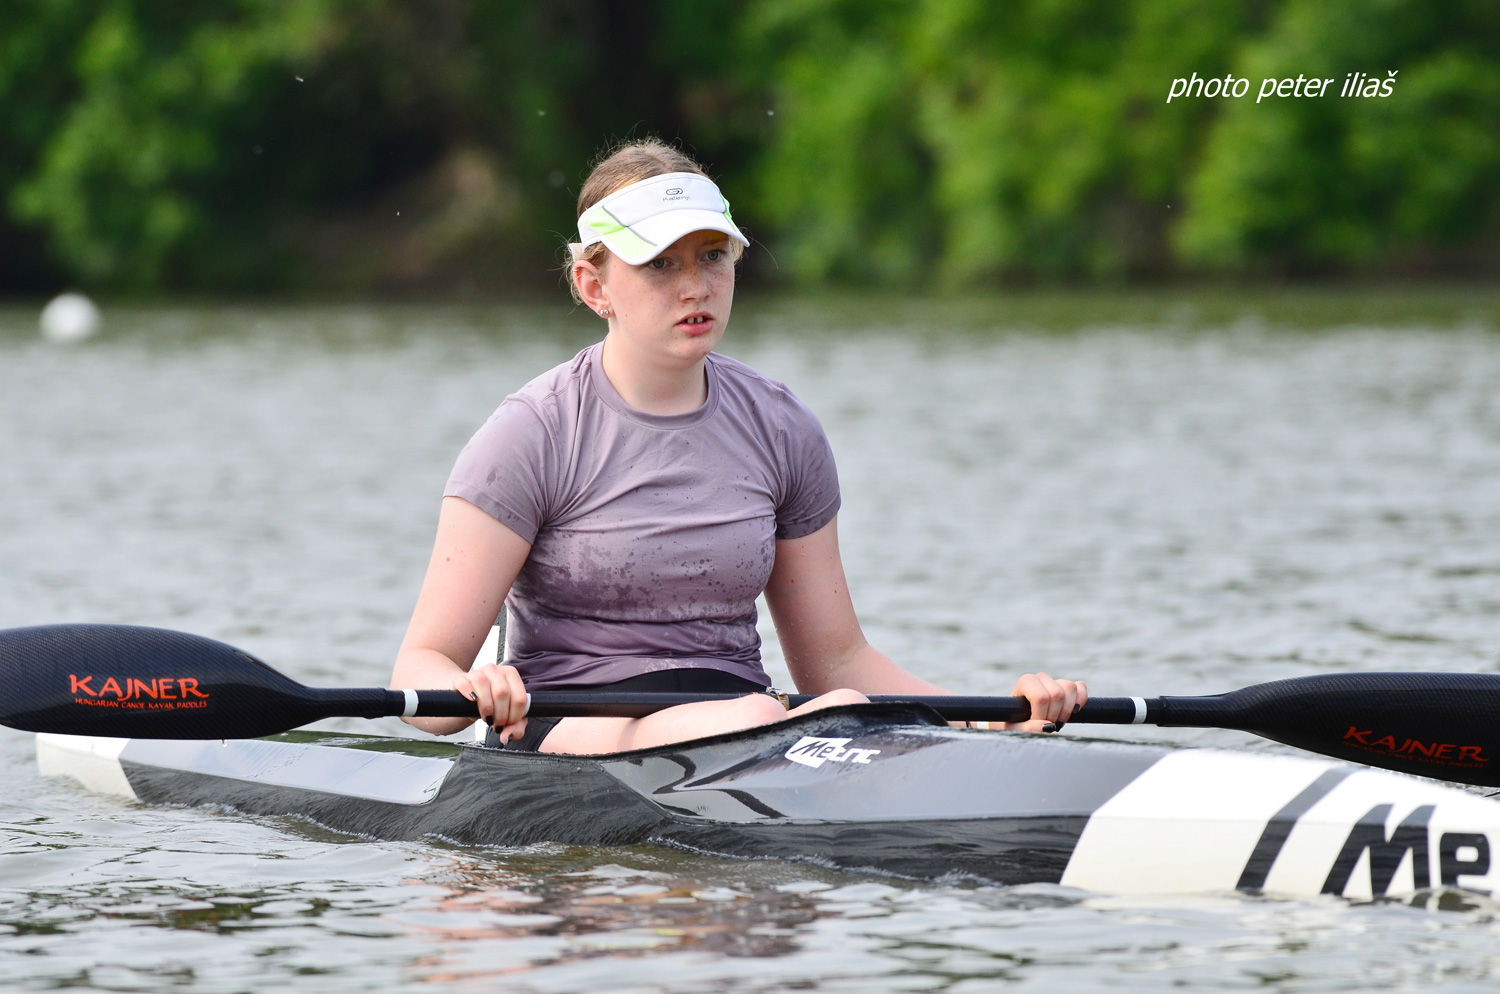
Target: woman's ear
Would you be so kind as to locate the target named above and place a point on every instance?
(590, 284)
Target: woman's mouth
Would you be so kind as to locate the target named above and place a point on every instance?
(697, 324)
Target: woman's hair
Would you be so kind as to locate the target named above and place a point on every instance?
(618, 167)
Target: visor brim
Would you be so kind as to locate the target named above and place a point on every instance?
(664, 229)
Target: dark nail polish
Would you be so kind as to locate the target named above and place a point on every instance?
(473, 696)
(1051, 727)
(1076, 707)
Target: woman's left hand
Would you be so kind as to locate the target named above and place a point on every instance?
(1053, 702)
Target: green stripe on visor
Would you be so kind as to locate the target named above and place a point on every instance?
(620, 238)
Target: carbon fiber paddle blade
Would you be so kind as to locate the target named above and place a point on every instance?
(1440, 725)
(132, 682)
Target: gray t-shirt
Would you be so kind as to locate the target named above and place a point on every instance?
(651, 535)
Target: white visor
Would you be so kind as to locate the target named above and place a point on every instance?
(638, 221)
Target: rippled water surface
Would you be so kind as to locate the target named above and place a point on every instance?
(1167, 506)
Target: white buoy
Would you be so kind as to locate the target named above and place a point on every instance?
(70, 318)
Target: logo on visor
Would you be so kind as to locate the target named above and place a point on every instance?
(674, 191)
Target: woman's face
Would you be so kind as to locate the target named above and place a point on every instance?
(677, 305)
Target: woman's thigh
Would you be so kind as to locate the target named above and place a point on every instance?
(591, 736)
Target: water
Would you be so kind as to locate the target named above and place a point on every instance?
(1180, 501)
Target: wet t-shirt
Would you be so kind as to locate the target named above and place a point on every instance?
(651, 535)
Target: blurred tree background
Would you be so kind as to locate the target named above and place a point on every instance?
(357, 146)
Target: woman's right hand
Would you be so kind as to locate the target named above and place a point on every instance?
(500, 695)
(1052, 702)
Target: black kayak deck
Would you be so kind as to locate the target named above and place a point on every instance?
(889, 788)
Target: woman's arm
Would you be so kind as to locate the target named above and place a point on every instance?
(825, 648)
(475, 559)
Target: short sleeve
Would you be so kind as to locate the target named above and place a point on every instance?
(507, 468)
(810, 493)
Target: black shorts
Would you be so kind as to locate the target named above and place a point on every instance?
(681, 681)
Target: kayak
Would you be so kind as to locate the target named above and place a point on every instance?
(884, 788)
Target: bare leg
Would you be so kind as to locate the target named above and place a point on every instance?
(832, 699)
(592, 736)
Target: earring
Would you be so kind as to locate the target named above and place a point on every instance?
(604, 312)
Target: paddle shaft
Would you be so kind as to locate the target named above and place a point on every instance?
(614, 704)
(376, 702)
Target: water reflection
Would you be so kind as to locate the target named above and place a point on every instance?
(608, 907)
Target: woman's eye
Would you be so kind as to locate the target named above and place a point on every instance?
(714, 255)
(658, 263)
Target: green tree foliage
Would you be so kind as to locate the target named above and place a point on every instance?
(1034, 137)
(1339, 181)
(985, 138)
(845, 178)
(126, 168)
(359, 144)
(235, 144)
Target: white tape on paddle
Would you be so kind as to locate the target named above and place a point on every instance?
(528, 705)
(1140, 711)
(411, 703)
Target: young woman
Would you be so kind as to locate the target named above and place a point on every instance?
(628, 506)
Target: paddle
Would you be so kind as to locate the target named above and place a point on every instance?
(132, 682)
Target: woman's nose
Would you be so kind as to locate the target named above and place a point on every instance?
(694, 281)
